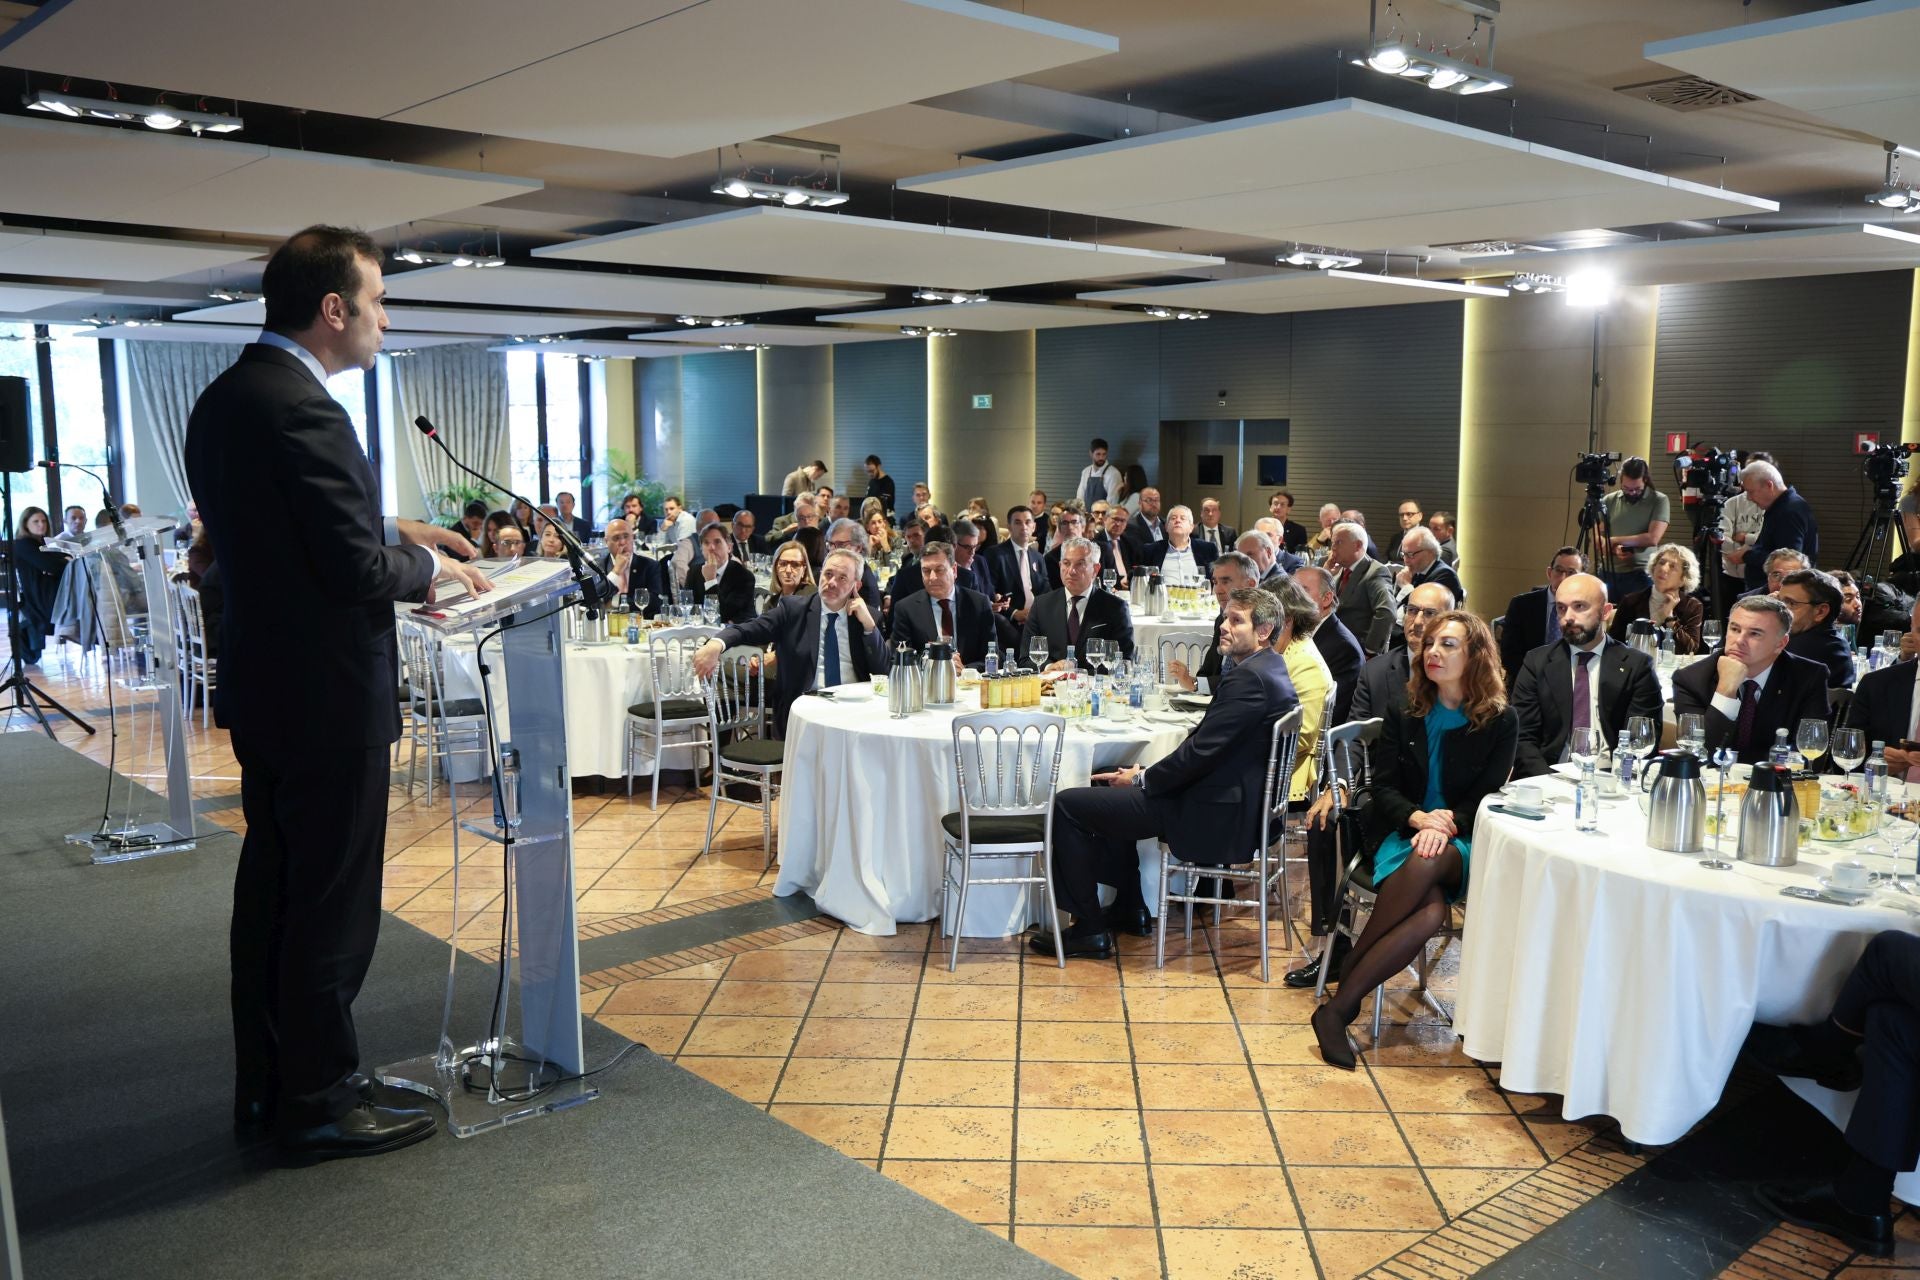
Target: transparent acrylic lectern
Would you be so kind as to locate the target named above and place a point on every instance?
(132, 577)
(528, 1058)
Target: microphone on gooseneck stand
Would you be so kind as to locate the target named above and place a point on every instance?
(113, 508)
(595, 585)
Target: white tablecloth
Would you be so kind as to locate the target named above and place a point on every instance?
(603, 680)
(860, 807)
(1625, 979)
(1148, 628)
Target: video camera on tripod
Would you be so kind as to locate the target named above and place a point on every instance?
(1886, 466)
(1595, 469)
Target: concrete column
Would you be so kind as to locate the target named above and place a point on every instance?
(980, 452)
(1526, 367)
(1910, 403)
(659, 436)
(796, 411)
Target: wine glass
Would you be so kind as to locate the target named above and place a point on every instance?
(640, 598)
(1580, 746)
(1693, 734)
(1109, 579)
(1643, 739)
(1037, 652)
(1096, 655)
(1810, 740)
(1710, 634)
(1849, 747)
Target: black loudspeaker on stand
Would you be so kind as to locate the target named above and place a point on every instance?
(17, 692)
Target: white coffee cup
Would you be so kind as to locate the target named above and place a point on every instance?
(1850, 875)
(1526, 795)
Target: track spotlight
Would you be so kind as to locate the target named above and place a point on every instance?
(1431, 64)
(710, 322)
(1320, 258)
(423, 257)
(921, 331)
(160, 115)
(1893, 193)
(743, 346)
(791, 196)
(947, 295)
(1177, 313)
(232, 295)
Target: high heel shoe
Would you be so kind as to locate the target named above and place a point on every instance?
(1332, 1035)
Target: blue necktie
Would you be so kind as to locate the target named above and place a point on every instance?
(831, 674)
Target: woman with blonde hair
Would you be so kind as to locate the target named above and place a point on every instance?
(792, 573)
(1669, 603)
(1437, 759)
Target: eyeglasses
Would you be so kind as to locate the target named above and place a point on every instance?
(1420, 611)
(1791, 603)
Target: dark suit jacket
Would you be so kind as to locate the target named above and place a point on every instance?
(734, 590)
(1105, 617)
(1524, 630)
(977, 576)
(915, 624)
(1446, 577)
(1825, 645)
(1208, 790)
(1106, 562)
(307, 648)
(1154, 555)
(1006, 572)
(1140, 533)
(1296, 535)
(870, 589)
(645, 526)
(1366, 606)
(1789, 522)
(792, 627)
(1796, 691)
(1344, 658)
(582, 527)
(906, 580)
(1228, 535)
(1687, 617)
(1382, 686)
(1543, 699)
(1473, 764)
(1883, 704)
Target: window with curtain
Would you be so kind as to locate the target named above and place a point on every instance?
(544, 437)
(523, 421)
(20, 358)
(349, 387)
(79, 410)
(565, 422)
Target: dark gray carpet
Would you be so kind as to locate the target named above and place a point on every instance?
(116, 1070)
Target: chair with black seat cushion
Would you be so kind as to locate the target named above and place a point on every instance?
(674, 713)
(444, 728)
(1262, 868)
(1008, 765)
(748, 754)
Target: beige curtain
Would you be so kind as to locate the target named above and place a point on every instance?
(167, 378)
(462, 390)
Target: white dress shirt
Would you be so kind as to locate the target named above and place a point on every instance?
(822, 678)
(1178, 563)
(1025, 569)
(1593, 689)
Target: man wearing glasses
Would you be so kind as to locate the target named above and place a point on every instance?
(1531, 620)
(845, 535)
(1814, 597)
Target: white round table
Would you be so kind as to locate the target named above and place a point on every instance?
(862, 796)
(603, 680)
(1625, 978)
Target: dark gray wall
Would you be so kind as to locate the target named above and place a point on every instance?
(1372, 395)
(719, 404)
(880, 406)
(1795, 367)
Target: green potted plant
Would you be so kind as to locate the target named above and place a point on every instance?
(618, 476)
(445, 505)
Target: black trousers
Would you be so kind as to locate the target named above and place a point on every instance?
(306, 915)
(1882, 999)
(1094, 833)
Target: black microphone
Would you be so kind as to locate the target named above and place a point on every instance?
(113, 508)
(578, 560)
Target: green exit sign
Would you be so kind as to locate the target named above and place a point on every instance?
(983, 402)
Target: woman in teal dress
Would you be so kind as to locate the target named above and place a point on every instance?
(1436, 760)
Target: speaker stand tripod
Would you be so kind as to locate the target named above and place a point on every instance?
(1873, 550)
(18, 691)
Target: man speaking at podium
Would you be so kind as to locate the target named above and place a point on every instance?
(308, 669)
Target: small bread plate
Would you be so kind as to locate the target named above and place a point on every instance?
(858, 691)
(1832, 890)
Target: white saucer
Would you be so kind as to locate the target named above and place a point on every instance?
(1856, 895)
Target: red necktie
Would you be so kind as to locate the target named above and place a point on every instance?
(946, 619)
(1344, 575)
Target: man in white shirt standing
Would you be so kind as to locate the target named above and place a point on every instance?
(1099, 479)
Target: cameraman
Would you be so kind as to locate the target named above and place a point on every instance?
(1787, 524)
(1637, 518)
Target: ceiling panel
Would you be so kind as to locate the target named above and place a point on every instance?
(611, 350)
(407, 319)
(992, 317)
(773, 335)
(62, 169)
(1295, 291)
(83, 255)
(1852, 66)
(605, 290)
(833, 246)
(20, 299)
(1765, 255)
(240, 334)
(1348, 173)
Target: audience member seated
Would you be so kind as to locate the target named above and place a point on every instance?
(1434, 763)
(1322, 540)
(503, 538)
(814, 542)
(679, 523)
(910, 514)
(1070, 523)
(1358, 518)
(792, 574)
(1147, 527)
(1753, 686)
(720, 576)
(1411, 517)
(630, 572)
(1312, 681)
(746, 537)
(911, 542)
(1284, 560)
(546, 514)
(1201, 800)
(552, 547)
(1337, 645)
(1363, 586)
(845, 534)
(971, 569)
(1230, 573)
(1042, 517)
(1210, 531)
(1849, 599)
(1442, 526)
(1669, 604)
(685, 555)
(1293, 536)
(1077, 612)
(839, 507)
(1584, 680)
(1019, 567)
(1883, 707)
(633, 509)
(581, 526)
(1530, 619)
(1258, 546)
(879, 535)
(1118, 553)
(1814, 598)
(1779, 564)
(39, 573)
(1178, 556)
(819, 639)
(943, 610)
(472, 521)
(1787, 523)
(1870, 1041)
(805, 515)
(523, 515)
(1420, 553)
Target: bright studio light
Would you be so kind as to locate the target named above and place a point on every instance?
(1589, 289)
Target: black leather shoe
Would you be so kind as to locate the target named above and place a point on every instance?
(1335, 1048)
(1137, 921)
(386, 1095)
(1087, 946)
(1818, 1209)
(252, 1117)
(1305, 978)
(366, 1130)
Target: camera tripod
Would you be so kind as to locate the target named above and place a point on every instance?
(1873, 550)
(19, 691)
(1593, 530)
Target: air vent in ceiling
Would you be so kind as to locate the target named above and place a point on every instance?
(1688, 93)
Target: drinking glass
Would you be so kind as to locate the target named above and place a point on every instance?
(1849, 748)
(1037, 651)
(640, 597)
(1643, 739)
(1810, 740)
(1710, 634)
(709, 611)
(1109, 579)
(1580, 745)
(1096, 655)
(1693, 734)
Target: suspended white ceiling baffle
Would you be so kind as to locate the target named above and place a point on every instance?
(1345, 173)
(1760, 255)
(772, 335)
(1297, 291)
(608, 350)
(559, 287)
(991, 317)
(24, 299)
(1854, 65)
(500, 324)
(835, 246)
(86, 255)
(240, 334)
(649, 77)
